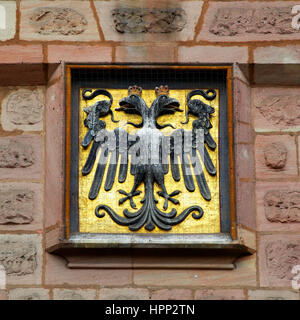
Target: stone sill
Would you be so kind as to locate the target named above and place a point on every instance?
(89, 253)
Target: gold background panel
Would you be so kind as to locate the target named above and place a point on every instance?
(88, 222)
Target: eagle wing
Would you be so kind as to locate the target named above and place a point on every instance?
(188, 148)
(112, 145)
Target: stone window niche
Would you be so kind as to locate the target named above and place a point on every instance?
(92, 231)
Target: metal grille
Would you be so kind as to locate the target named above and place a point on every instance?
(149, 78)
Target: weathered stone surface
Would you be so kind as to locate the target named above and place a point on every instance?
(220, 294)
(66, 294)
(247, 237)
(152, 20)
(54, 179)
(16, 206)
(21, 157)
(21, 206)
(21, 54)
(282, 206)
(272, 55)
(21, 256)
(28, 294)
(244, 161)
(231, 21)
(172, 294)
(281, 257)
(278, 254)
(243, 133)
(14, 154)
(17, 258)
(243, 275)
(83, 54)
(8, 26)
(275, 155)
(241, 102)
(277, 206)
(276, 109)
(126, 21)
(124, 294)
(245, 204)
(272, 295)
(142, 54)
(23, 109)
(57, 273)
(273, 160)
(212, 54)
(282, 110)
(65, 21)
(235, 21)
(62, 20)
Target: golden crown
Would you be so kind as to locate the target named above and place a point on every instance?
(162, 90)
(135, 90)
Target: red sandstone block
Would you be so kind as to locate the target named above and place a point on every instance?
(276, 109)
(247, 237)
(54, 236)
(243, 133)
(244, 161)
(248, 21)
(192, 11)
(278, 206)
(172, 294)
(21, 206)
(275, 156)
(21, 54)
(220, 294)
(124, 294)
(245, 204)
(77, 294)
(278, 255)
(57, 273)
(22, 258)
(243, 275)
(21, 157)
(29, 294)
(212, 54)
(241, 101)
(75, 23)
(272, 295)
(54, 157)
(84, 54)
(281, 55)
(145, 54)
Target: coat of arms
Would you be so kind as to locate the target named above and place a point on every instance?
(146, 155)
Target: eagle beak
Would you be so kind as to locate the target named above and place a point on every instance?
(125, 104)
(173, 104)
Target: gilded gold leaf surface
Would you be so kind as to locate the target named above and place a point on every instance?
(88, 222)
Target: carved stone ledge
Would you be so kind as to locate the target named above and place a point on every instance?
(93, 255)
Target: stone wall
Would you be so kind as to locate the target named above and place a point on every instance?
(256, 36)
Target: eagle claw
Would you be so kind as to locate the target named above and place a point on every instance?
(169, 197)
(129, 197)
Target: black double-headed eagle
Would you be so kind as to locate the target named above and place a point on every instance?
(151, 154)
